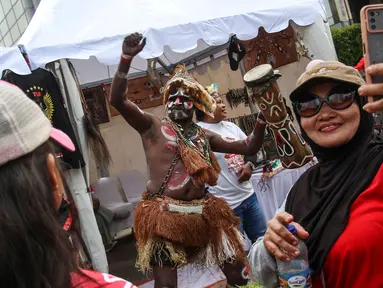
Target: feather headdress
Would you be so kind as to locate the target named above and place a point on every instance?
(197, 93)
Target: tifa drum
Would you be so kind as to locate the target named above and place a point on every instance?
(262, 86)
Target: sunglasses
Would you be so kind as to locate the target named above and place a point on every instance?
(338, 98)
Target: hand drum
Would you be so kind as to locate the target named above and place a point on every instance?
(261, 85)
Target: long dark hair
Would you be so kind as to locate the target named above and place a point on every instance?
(35, 251)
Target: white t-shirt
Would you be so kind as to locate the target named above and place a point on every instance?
(228, 186)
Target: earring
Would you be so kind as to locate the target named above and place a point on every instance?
(58, 192)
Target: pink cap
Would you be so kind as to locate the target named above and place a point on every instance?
(313, 63)
(62, 139)
(23, 125)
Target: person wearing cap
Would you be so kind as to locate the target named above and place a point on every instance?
(178, 222)
(233, 183)
(36, 250)
(337, 205)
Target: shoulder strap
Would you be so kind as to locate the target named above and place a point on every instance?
(168, 175)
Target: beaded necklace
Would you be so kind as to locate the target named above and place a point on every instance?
(194, 133)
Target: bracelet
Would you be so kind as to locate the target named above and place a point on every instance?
(251, 164)
(122, 75)
(261, 121)
(245, 272)
(126, 58)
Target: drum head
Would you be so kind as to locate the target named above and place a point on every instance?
(258, 75)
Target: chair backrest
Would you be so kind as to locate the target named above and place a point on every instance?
(133, 183)
(107, 190)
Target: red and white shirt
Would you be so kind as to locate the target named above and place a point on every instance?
(97, 279)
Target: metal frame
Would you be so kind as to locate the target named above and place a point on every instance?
(208, 52)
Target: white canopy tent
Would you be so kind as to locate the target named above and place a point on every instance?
(81, 29)
(91, 71)
(11, 58)
(90, 33)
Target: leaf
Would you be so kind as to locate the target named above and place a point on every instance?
(348, 44)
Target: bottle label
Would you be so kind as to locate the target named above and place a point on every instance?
(295, 279)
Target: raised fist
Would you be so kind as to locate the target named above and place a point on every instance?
(133, 44)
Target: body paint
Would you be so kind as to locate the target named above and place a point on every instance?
(172, 146)
(178, 181)
(228, 139)
(168, 132)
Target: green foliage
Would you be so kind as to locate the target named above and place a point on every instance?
(348, 44)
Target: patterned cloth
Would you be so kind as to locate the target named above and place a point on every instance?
(277, 49)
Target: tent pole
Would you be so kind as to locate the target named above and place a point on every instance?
(167, 69)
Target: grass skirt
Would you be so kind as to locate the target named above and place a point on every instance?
(201, 232)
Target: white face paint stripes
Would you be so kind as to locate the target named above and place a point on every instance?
(170, 104)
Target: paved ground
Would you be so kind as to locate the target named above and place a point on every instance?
(122, 259)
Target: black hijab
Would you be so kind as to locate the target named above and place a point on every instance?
(321, 199)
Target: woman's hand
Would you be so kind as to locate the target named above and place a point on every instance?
(277, 237)
(373, 89)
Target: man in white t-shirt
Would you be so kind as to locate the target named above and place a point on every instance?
(233, 182)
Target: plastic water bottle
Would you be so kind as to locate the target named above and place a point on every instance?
(296, 273)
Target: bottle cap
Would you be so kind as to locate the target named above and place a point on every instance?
(292, 229)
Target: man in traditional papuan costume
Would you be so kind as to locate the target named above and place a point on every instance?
(178, 222)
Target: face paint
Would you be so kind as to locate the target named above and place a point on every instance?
(179, 92)
(180, 107)
(179, 115)
(178, 101)
(170, 104)
(188, 105)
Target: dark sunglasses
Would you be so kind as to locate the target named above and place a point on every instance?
(338, 98)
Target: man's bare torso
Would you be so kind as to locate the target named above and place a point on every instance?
(160, 145)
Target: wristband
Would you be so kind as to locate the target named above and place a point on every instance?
(251, 164)
(126, 58)
(260, 123)
(245, 272)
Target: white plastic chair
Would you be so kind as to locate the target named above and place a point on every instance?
(133, 183)
(107, 190)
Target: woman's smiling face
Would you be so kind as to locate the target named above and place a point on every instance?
(331, 128)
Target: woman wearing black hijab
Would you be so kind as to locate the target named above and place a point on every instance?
(338, 203)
